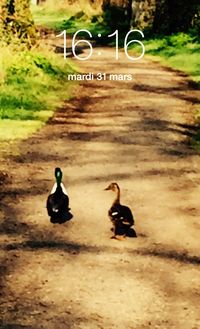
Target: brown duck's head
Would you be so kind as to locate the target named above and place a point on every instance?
(112, 187)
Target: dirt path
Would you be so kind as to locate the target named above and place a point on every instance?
(73, 275)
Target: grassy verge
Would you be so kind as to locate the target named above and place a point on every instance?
(180, 51)
(33, 84)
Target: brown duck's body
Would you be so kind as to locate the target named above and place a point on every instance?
(120, 215)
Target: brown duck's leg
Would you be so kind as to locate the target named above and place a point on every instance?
(113, 237)
(120, 237)
(119, 232)
(113, 229)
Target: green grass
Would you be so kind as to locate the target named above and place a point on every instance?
(49, 18)
(180, 51)
(32, 85)
(54, 14)
(72, 18)
(15, 129)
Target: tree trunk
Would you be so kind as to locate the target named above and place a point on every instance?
(143, 13)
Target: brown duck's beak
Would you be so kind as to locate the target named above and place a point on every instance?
(107, 188)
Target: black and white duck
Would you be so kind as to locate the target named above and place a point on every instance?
(120, 216)
(58, 201)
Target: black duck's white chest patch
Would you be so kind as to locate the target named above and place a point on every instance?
(55, 187)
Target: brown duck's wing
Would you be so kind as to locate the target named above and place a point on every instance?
(126, 215)
(119, 214)
(114, 213)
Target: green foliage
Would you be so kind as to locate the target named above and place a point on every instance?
(49, 18)
(180, 51)
(53, 14)
(94, 24)
(32, 85)
(179, 40)
(78, 21)
(72, 23)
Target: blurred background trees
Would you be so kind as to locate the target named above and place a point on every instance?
(158, 16)
(118, 14)
(16, 22)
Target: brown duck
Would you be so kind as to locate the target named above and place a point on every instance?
(120, 216)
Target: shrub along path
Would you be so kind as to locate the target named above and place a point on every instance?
(73, 275)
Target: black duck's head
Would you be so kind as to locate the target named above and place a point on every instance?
(112, 187)
(58, 175)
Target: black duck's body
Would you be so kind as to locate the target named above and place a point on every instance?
(58, 201)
